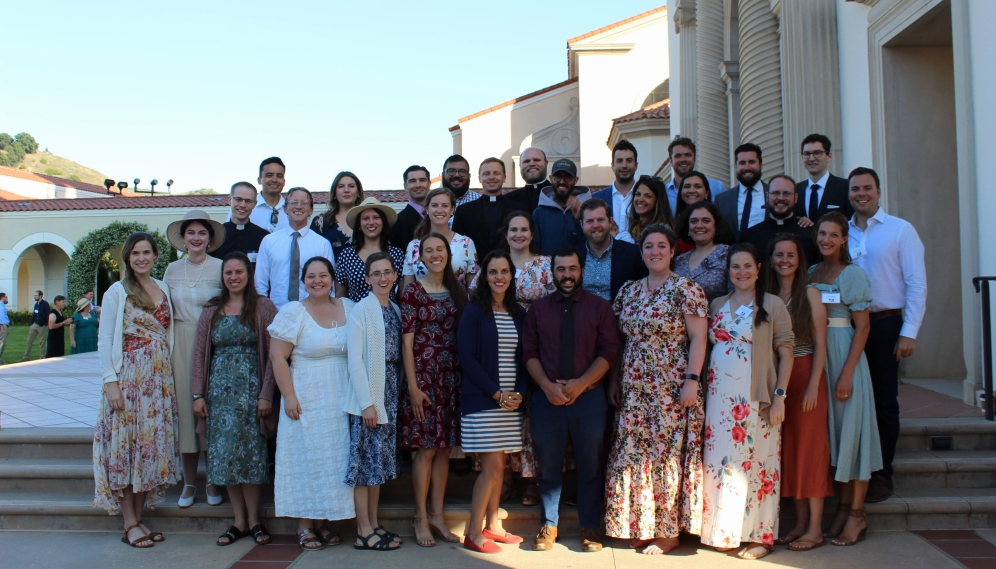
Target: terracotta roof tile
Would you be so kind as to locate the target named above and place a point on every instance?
(64, 182)
(616, 25)
(658, 110)
(515, 100)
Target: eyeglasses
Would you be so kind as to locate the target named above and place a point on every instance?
(296, 203)
(461, 171)
(383, 274)
(242, 200)
(813, 154)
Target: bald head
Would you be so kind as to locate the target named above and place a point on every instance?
(532, 165)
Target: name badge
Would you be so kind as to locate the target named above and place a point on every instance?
(252, 256)
(744, 311)
(857, 250)
(830, 297)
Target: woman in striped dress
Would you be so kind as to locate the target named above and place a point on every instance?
(490, 348)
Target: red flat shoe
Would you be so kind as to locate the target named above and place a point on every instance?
(507, 538)
(489, 546)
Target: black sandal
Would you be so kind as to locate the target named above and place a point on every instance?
(309, 543)
(233, 534)
(383, 543)
(258, 531)
(390, 535)
(328, 536)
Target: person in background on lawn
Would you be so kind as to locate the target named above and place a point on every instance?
(93, 305)
(83, 328)
(39, 327)
(57, 323)
(4, 325)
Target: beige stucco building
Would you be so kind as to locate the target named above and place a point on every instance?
(612, 72)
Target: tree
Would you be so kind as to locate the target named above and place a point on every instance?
(28, 142)
(5, 140)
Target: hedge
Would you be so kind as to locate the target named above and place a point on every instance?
(20, 317)
(82, 267)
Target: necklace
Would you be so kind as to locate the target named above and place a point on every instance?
(828, 273)
(186, 279)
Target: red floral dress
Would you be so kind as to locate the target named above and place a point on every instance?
(434, 324)
(654, 476)
(741, 451)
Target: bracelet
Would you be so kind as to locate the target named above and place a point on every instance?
(501, 398)
(692, 376)
(196, 397)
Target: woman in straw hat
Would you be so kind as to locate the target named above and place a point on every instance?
(83, 330)
(193, 281)
(371, 223)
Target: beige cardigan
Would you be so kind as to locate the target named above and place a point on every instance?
(775, 332)
(110, 335)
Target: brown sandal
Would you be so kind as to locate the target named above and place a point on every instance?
(814, 545)
(843, 541)
(789, 538)
(841, 509)
(138, 542)
(742, 554)
(156, 536)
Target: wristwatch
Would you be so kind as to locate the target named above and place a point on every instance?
(780, 392)
(196, 397)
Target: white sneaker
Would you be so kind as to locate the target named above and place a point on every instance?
(187, 502)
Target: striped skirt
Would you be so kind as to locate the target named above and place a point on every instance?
(497, 430)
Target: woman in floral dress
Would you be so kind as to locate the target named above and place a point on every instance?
(430, 402)
(745, 405)
(136, 446)
(439, 207)
(654, 477)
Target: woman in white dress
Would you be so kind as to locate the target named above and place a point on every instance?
(749, 371)
(439, 207)
(193, 281)
(313, 433)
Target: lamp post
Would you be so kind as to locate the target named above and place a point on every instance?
(136, 184)
(108, 184)
(153, 183)
(121, 186)
(168, 184)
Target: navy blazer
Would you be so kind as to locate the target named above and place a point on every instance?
(477, 346)
(835, 198)
(726, 203)
(627, 264)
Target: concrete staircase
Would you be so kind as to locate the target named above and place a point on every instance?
(945, 479)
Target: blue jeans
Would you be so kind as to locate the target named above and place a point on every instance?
(551, 425)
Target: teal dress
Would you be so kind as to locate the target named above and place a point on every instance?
(236, 453)
(85, 333)
(855, 449)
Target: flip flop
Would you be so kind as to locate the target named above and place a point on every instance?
(816, 544)
(789, 538)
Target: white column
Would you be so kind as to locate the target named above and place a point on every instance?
(761, 83)
(685, 27)
(712, 139)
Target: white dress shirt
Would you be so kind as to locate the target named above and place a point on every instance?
(819, 193)
(620, 208)
(263, 213)
(715, 188)
(273, 262)
(756, 204)
(891, 252)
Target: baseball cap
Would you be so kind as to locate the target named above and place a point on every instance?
(565, 165)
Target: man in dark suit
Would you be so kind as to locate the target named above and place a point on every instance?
(608, 263)
(417, 183)
(532, 168)
(781, 218)
(822, 191)
(241, 234)
(481, 219)
(742, 206)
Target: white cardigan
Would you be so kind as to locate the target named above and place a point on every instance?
(110, 336)
(366, 351)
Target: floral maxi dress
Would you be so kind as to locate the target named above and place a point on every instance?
(741, 451)
(654, 476)
(139, 446)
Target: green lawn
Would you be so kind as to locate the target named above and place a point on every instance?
(16, 337)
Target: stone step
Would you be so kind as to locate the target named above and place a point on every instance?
(46, 443)
(922, 435)
(945, 469)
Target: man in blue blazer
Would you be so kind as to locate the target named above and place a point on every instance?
(821, 191)
(742, 206)
(608, 263)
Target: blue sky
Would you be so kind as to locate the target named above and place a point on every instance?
(202, 91)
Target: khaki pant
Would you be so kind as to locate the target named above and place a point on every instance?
(34, 331)
(3, 338)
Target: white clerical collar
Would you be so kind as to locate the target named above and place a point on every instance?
(240, 227)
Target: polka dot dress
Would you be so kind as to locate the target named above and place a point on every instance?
(351, 271)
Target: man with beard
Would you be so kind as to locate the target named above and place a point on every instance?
(456, 178)
(556, 224)
(241, 234)
(682, 153)
(269, 213)
(570, 341)
(532, 168)
(823, 191)
(619, 193)
(417, 183)
(481, 219)
(743, 206)
(780, 199)
(607, 262)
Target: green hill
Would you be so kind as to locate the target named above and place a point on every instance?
(44, 163)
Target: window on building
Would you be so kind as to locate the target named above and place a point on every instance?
(659, 93)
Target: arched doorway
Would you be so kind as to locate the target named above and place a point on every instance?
(39, 264)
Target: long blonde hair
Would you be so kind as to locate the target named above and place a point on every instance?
(136, 292)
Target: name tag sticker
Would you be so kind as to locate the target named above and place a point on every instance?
(830, 297)
(744, 311)
(831, 206)
(857, 250)
(252, 256)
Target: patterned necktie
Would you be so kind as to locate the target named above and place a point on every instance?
(814, 201)
(567, 341)
(293, 291)
(745, 216)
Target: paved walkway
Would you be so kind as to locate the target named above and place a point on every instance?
(98, 550)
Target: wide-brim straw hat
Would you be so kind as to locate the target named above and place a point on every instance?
(176, 240)
(82, 303)
(371, 203)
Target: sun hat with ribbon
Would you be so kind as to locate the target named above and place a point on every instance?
(176, 240)
(370, 203)
(82, 303)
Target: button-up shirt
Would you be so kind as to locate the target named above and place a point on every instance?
(262, 214)
(891, 252)
(598, 272)
(715, 188)
(273, 262)
(4, 319)
(822, 182)
(756, 204)
(620, 207)
(595, 332)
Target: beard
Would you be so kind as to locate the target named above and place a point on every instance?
(534, 177)
(625, 179)
(459, 192)
(560, 282)
(748, 179)
(785, 215)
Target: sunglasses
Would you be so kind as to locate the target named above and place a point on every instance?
(274, 217)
